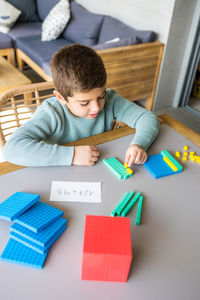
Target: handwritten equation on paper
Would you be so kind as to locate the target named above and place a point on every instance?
(74, 191)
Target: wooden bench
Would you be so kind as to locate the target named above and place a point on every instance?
(9, 53)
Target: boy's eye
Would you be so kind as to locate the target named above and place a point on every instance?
(103, 96)
(99, 98)
(84, 104)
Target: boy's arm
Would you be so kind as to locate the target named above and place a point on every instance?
(27, 145)
(144, 121)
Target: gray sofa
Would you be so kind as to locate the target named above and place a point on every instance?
(84, 27)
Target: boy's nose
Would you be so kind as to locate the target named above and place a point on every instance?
(94, 106)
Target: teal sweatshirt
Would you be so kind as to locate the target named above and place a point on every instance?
(39, 141)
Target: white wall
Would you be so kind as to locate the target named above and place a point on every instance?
(153, 15)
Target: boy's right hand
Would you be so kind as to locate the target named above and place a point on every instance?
(85, 155)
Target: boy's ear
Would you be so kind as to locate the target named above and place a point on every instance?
(60, 97)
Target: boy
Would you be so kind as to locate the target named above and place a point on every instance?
(82, 107)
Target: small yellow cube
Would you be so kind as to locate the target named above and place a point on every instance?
(185, 147)
(178, 154)
(191, 154)
(198, 160)
(129, 170)
(185, 154)
(184, 158)
(126, 165)
(192, 158)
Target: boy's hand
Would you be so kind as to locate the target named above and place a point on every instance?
(85, 155)
(135, 154)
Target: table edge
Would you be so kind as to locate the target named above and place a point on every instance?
(6, 167)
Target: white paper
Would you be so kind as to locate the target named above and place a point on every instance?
(74, 191)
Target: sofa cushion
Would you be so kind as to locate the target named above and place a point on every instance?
(25, 29)
(44, 7)
(5, 41)
(112, 28)
(46, 67)
(40, 51)
(8, 16)
(56, 21)
(83, 27)
(28, 8)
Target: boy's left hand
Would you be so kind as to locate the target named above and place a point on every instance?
(135, 154)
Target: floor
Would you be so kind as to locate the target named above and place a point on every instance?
(34, 77)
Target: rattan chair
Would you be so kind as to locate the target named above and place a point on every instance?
(17, 105)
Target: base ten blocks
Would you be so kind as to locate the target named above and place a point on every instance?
(107, 250)
(121, 171)
(27, 246)
(162, 164)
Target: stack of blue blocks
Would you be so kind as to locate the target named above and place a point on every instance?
(36, 227)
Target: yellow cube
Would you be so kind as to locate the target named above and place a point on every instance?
(191, 154)
(126, 165)
(185, 154)
(184, 158)
(178, 154)
(198, 160)
(185, 147)
(129, 170)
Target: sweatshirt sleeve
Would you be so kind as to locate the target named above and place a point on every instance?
(144, 121)
(27, 146)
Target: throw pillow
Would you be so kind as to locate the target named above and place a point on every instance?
(44, 7)
(8, 16)
(56, 21)
(28, 8)
(84, 26)
(112, 27)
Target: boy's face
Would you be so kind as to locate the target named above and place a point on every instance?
(86, 105)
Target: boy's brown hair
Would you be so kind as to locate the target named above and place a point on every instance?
(77, 68)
